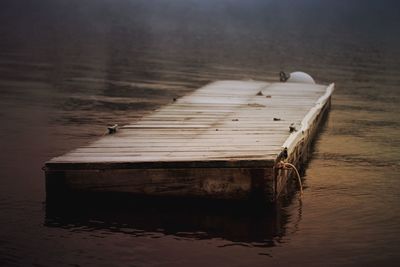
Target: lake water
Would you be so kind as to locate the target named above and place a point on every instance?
(69, 68)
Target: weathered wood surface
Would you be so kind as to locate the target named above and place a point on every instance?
(215, 136)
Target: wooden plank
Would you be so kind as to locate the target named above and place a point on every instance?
(157, 157)
(161, 182)
(160, 132)
(165, 142)
(151, 163)
(216, 130)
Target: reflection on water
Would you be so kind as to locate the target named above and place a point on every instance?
(69, 68)
(247, 224)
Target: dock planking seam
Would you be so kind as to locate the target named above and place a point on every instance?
(219, 141)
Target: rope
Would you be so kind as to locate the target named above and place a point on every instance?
(289, 165)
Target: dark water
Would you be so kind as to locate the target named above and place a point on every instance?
(69, 68)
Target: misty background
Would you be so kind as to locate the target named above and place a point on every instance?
(70, 68)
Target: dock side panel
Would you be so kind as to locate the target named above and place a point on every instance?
(300, 154)
(218, 183)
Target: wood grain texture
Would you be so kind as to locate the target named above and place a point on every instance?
(229, 125)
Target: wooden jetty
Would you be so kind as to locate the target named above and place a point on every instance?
(221, 141)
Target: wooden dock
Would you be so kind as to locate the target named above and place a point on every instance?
(221, 141)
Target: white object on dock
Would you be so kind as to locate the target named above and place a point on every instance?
(221, 141)
(300, 77)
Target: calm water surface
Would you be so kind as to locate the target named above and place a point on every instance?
(69, 68)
